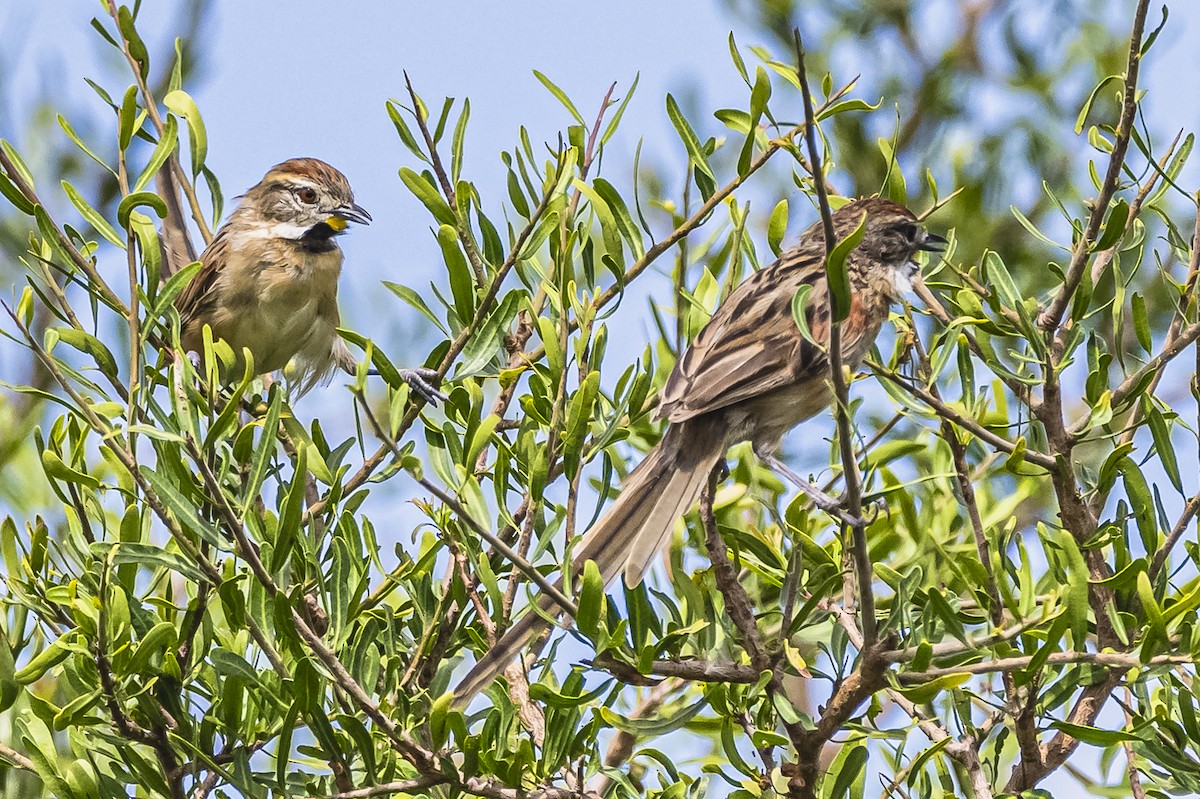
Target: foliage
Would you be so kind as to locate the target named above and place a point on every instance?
(211, 607)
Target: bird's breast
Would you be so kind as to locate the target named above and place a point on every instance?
(286, 304)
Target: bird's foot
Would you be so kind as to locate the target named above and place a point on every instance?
(722, 470)
(424, 382)
(834, 506)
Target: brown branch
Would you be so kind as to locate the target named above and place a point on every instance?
(463, 225)
(737, 603)
(691, 670)
(1112, 660)
(1052, 317)
(695, 220)
(152, 109)
(841, 391)
(946, 412)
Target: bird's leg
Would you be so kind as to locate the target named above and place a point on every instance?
(424, 382)
(421, 381)
(827, 503)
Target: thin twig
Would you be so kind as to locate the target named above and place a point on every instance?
(841, 391)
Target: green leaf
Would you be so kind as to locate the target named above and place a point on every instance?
(162, 151)
(73, 136)
(137, 200)
(183, 510)
(656, 724)
(14, 195)
(690, 141)
(616, 118)
(90, 345)
(560, 95)
(1141, 321)
(181, 104)
(1142, 502)
(424, 191)
(1162, 443)
(1087, 105)
(414, 299)
(265, 452)
(18, 163)
(176, 283)
(1075, 592)
(137, 48)
(620, 213)
(151, 556)
(846, 772)
(93, 217)
(58, 651)
(462, 281)
(926, 692)
(800, 313)
(591, 601)
(777, 227)
(738, 63)
(290, 513)
(456, 144)
(57, 469)
(1094, 735)
(835, 268)
(1114, 229)
(579, 415)
(155, 641)
(127, 117)
(486, 344)
(845, 106)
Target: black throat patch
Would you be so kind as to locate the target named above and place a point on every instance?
(318, 238)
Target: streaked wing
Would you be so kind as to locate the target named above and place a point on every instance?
(751, 345)
(194, 299)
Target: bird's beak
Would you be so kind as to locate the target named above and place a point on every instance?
(350, 212)
(933, 243)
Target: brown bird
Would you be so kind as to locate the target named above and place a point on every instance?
(269, 278)
(750, 375)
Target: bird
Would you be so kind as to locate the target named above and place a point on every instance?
(268, 280)
(751, 374)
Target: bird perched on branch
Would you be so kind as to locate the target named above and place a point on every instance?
(750, 375)
(269, 278)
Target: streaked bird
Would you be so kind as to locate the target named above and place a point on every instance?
(750, 375)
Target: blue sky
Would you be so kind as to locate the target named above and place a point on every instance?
(308, 78)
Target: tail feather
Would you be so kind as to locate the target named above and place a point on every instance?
(656, 493)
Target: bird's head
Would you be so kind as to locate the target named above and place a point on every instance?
(307, 200)
(892, 236)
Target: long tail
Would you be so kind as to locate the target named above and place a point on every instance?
(661, 489)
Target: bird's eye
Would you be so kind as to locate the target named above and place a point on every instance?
(307, 195)
(908, 230)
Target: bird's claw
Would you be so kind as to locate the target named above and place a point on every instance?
(834, 506)
(424, 382)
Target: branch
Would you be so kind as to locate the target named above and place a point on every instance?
(1112, 660)
(463, 225)
(527, 568)
(946, 412)
(152, 109)
(695, 220)
(841, 391)
(737, 603)
(1052, 317)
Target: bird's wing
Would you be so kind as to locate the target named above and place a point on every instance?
(751, 345)
(195, 297)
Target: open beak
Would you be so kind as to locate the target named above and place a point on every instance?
(933, 243)
(352, 212)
